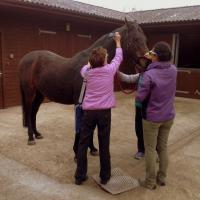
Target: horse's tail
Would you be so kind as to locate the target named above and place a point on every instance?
(23, 97)
(27, 82)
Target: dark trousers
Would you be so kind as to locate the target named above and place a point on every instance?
(78, 122)
(76, 142)
(91, 119)
(139, 129)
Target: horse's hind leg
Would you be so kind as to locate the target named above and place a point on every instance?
(35, 107)
(29, 98)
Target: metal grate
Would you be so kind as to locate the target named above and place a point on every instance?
(118, 183)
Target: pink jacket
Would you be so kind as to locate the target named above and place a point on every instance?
(100, 84)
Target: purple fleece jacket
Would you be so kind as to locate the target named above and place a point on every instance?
(100, 84)
(157, 87)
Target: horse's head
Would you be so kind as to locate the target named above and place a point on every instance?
(133, 41)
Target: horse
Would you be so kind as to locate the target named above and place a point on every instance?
(45, 74)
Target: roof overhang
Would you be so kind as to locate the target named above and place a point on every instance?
(39, 9)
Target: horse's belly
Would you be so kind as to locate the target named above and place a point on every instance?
(62, 95)
(63, 100)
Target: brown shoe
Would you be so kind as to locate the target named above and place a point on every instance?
(144, 184)
(160, 183)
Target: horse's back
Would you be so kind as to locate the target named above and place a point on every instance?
(36, 60)
(52, 75)
(37, 54)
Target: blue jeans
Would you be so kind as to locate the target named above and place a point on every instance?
(78, 124)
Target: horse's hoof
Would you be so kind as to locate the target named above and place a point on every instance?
(31, 142)
(39, 136)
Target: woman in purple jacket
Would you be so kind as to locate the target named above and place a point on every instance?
(98, 101)
(157, 88)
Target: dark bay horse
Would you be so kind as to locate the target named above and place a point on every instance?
(46, 74)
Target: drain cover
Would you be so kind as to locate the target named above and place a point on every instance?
(118, 183)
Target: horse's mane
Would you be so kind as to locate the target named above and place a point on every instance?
(132, 39)
(104, 41)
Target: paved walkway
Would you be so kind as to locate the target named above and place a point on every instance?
(45, 171)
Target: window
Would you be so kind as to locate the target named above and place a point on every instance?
(189, 51)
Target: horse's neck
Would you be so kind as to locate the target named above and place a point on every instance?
(104, 41)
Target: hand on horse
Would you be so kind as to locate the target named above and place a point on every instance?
(88, 64)
(117, 38)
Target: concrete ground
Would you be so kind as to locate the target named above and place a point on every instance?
(45, 171)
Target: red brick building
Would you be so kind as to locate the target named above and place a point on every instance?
(66, 27)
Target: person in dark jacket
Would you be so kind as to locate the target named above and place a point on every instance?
(158, 85)
(134, 78)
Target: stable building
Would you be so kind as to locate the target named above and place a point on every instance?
(64, 27)
(67, 27)
(180, 27)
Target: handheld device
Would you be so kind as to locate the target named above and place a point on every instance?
(110, 35)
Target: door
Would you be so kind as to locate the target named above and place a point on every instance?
(188, 84)
(81, 42)
(1, 76)
(188, 62)
(48, 39)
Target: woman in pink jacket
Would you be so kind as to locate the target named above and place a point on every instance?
(98, 101)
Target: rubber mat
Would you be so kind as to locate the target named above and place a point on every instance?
(118, 183)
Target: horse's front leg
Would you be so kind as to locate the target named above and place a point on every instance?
(37, 134)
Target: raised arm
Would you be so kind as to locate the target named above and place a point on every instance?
(116, 61)
(133, 78)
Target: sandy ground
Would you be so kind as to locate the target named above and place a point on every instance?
(45, 170)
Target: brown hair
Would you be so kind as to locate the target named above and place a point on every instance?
(97, 57)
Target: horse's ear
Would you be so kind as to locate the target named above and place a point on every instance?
(125, 20)
(127, 23)
(135, 22)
